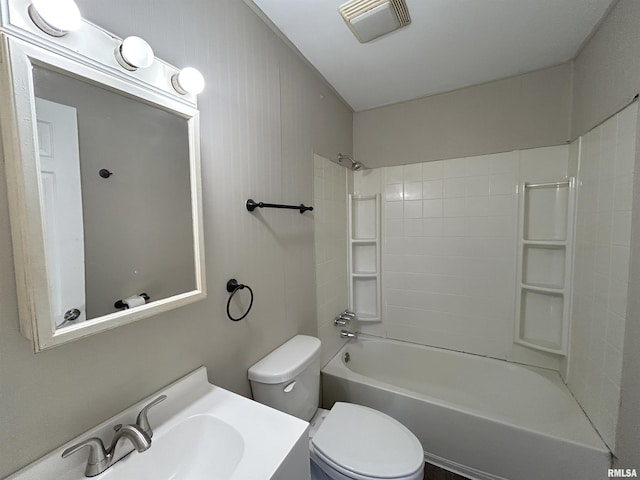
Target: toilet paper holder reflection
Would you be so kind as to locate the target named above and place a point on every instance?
(122, 304)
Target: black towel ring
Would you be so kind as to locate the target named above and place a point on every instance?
(232, 287)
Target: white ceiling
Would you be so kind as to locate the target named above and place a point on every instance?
(449, 44)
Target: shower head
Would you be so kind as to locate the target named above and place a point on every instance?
(354, 165)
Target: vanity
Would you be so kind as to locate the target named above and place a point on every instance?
(200, 432)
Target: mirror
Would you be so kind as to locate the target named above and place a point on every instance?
(128, 230)
(104, 197)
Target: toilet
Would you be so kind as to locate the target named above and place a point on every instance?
(348, 442)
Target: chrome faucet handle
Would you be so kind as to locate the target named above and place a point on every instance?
(98, 460)
(349, 313)
(341, 320)
(142, 421)
(140, 439)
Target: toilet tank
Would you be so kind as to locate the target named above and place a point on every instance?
(288, 379)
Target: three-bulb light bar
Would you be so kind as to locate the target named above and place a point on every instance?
(59, 17)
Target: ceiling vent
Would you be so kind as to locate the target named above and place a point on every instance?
(369, 19)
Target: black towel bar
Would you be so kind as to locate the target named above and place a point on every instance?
(252, 205)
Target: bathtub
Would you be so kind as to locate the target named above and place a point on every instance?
(485, 419)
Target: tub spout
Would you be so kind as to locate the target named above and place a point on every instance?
(346, 334)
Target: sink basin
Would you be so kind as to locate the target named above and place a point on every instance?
(198, 448)
(199, 432)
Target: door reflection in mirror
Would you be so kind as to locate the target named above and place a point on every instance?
(62, 201)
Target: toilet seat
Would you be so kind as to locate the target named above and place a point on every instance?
(365, 444)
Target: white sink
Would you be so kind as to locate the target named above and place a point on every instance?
(198, 448)
(200, 432)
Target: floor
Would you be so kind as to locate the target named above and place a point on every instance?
(431, 472)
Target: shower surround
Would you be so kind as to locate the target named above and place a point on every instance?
(449, 248)
(601, 268)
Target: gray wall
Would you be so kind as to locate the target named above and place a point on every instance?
(527, 111)
(607, 70)
(262, 117)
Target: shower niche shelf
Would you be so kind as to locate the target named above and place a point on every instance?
(365, 286)
(364, 257)
(544, 265)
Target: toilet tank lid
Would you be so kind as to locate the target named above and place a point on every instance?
(286, 361)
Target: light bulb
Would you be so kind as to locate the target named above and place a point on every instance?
(55, 17)
(134, 53)
(188, 80)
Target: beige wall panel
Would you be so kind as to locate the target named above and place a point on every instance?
(334, 129)
(526, 111)
(607, 70)
(297, 105)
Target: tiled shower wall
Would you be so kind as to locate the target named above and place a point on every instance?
(601, 268)
(330, 212)
(449, 249)
(450, 246)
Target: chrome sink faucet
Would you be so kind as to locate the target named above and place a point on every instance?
(139, 434)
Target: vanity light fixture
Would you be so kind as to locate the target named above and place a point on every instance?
(134, 53)
(188, 80)
(55, 17)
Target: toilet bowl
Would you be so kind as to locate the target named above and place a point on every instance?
(348, 442)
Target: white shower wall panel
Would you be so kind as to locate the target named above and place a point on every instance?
(330, 240)
(449, 249)
(601, 268)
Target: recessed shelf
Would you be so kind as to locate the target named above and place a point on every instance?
(541, 318)
(546, 212)
(363, 219)
(365, 297)
(364, 258)
(365, 292)
(544, 265)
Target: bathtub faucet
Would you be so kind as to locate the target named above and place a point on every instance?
(346, 334)
(344, 318)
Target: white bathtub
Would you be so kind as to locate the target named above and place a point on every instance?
(483, 418)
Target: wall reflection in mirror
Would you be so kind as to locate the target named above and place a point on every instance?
(115, 195)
